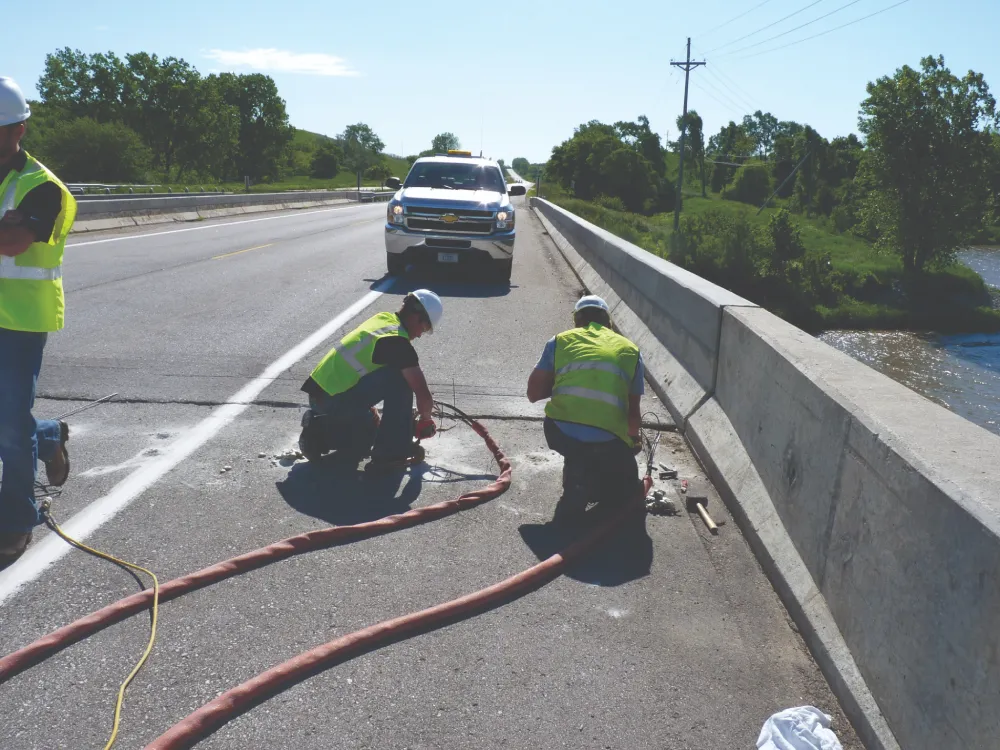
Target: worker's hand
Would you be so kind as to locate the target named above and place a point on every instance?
(636, 445)
(425, 429)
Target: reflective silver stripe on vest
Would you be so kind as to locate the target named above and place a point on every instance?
(8, 266)
(602, 366)
(8, 197)
(10, 270)
(350, 354)
(590, 393)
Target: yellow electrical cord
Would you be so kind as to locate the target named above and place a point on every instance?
(156, 608)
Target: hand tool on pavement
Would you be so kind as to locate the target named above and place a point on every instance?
(698, 503)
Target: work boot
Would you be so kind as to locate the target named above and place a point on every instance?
(13, 545)
(57, 469)
(311, 439)
(381, 466)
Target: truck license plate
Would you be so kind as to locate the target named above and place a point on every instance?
(447, 257)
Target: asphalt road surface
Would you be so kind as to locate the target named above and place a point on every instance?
(666, 637)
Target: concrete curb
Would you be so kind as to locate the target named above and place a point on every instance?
(139, 219)
(714, 440)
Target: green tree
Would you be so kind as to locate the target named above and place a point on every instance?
(326, 161)
(694, 143)
(84, 150)
(752, 184)
(380, 172)
(445, 142)
(640, 137)
(362, 149)
(264, 133)
(521, 166)
(928, 137)
(629, 176)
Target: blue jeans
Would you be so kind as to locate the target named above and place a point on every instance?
(23, 440)
(348, 418)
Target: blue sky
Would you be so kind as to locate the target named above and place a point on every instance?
(516, 78)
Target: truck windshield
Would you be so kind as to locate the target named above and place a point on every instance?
(455, 176)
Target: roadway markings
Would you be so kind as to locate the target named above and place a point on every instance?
(211, 226)
(227, 255)
(51, 548)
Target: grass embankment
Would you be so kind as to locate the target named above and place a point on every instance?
(840, 281)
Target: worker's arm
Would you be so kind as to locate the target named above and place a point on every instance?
(540, 384)
(425, 402)
(634, 415)
(14, 238)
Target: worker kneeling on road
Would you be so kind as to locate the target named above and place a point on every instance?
(374, 362)
(594, 380)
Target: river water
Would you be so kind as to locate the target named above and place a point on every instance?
(961, 373)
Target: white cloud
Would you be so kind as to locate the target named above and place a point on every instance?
(316, 64)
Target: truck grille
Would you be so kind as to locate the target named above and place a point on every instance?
(431, 219)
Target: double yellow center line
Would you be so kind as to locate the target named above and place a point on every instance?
(229, 255)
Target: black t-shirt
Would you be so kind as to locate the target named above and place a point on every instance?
(390, 351)
(41, 206)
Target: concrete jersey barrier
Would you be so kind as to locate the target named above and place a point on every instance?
(873, 510)
(110, 213)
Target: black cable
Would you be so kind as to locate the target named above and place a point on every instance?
(735, 18)
(764, 28)
(786, 33)
(828, 31)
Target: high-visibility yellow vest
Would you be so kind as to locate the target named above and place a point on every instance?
(31, 289)
(343, 366)
(594, 367)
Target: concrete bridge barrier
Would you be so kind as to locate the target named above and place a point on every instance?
(111, 212)
(874, 512)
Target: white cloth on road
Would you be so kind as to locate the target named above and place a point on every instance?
(803, 728)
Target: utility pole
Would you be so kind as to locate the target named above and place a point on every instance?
(688, 65)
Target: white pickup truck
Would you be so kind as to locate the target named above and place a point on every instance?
(453, 209)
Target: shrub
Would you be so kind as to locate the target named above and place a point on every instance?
(752, 184)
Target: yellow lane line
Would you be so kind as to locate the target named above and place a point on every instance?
(227, 255)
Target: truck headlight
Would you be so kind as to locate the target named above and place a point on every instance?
(394, 213)
(505, 219)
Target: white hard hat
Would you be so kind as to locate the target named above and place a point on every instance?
(13, 106)
(591, 300)
(431, 304)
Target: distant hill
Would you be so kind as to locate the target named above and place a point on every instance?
(305, 140)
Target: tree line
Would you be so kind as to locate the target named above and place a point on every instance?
(924, 181)
(141, 118)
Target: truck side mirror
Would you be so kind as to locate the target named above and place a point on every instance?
(516, 190)
(392, 182)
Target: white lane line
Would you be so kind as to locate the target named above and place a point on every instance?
(212, 226)
(87, 521)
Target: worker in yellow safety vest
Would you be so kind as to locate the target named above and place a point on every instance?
(374, 362)
(36, 214)
(593, 378)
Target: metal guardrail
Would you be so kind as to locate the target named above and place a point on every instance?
(128, 205)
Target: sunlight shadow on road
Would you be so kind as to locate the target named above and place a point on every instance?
(626, 555)
(343, 496)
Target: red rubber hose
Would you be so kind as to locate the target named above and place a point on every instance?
(56, 641)
(215, 714)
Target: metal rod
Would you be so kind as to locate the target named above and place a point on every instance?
(91, 405)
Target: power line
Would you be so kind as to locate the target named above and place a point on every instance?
(725, 96)
(786, 33)
(727, 107)
(765, 28)
(735, 18)
(828, 31)
(740, 97)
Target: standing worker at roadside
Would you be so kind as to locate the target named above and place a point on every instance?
(374, 362)
(36, 214)
(594, 380)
